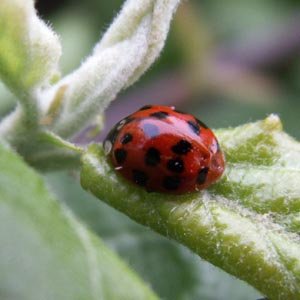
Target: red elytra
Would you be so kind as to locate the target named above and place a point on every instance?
(165, 150)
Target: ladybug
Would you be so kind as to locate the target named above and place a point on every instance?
(165, 150)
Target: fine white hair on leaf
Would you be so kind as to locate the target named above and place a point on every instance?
(247, 223)
(29, 49)
(98, 80)
(127, 49)
(162, 12)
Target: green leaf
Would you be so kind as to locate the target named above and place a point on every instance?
(29, 50)
(46, 253)
(172, 270)
(234, 224)
(130, 45)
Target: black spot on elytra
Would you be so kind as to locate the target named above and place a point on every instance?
(150, 130)
(171, 182)
(145, 107)
(175, 165)
(139, 177)
(182, 147)
(159, 115)
(152, 157)
(202, 175)
(201, 123)
(120, 155)
(194, 126)
(126, 138)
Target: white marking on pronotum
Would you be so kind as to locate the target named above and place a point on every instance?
(107, 147)
(91, 255)
(121, 124)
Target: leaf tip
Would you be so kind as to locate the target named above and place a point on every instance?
(272, 123)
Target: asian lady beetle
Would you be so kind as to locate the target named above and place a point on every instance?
(165, 150)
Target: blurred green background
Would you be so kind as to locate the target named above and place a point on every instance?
(228, 62)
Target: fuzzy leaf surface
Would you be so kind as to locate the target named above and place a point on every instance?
(240, 223)
(174, 272)
(128, 48)
(29, 50)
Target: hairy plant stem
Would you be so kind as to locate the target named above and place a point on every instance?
(23, 121)
(38, 146)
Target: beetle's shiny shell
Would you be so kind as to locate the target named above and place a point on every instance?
(165, 150)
